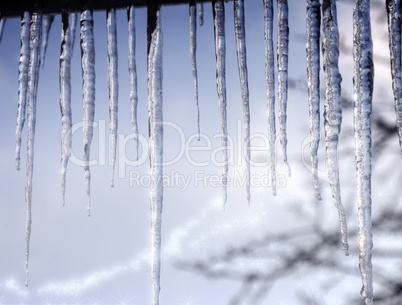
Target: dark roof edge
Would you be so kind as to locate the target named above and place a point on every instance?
(15, 8)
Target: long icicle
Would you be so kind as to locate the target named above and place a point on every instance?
(33, 77)
(193, 53)
(22, 83)
(47, 24)
(333, 110)
(363, 80)
(269, 74)
(132, 69)
(113, 85)
(66, 52)
(218, 9)
(313, 75)
(240, 34)
(155, 139)
(88, 88)
(282, 59)
(394, 30)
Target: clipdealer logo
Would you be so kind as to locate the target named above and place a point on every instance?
(199, 154)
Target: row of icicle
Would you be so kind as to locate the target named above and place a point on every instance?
(32, 57)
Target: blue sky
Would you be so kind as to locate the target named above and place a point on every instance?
(69, 250)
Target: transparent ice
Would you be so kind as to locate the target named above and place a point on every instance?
(88, 89)
(22, 83)
(240, 34)
(113, 85)
(270, 78)
(156, 150)
(218, 9)
(33, 78)
(313, 78)
(333, 110)
(363, 80)
(66, 53)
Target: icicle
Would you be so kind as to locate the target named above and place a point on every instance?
(220, 52)
(33, 77)
(363, 79)
(394, 29)
(282, 56)
(133, 72)
(2, 23)
(155, 142)
(313, 74)
(193, 50)
(22, 83)
(113, 85)
(47, 24)
(333, 110)
(88, 88)
(66, 52)
(201, 13)
(269, 73)
(242, 64)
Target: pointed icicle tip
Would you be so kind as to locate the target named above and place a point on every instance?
(317, 194)
(346, 249)
(201, 14)
(47, 24)
(289, 169)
